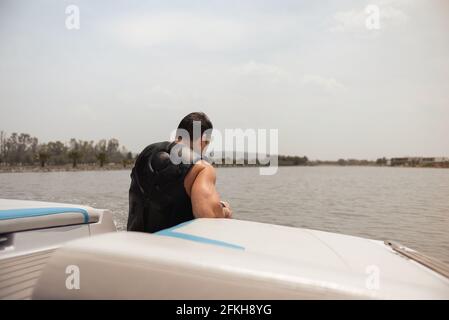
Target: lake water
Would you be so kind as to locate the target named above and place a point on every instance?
(408, 205)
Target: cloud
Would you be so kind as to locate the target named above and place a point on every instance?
(85, 111)
(158, 90)
(185, 29)
(203, 30)
(329, 85)
(253, 68)
(158, 96)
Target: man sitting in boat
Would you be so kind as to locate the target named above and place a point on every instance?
(171, 182)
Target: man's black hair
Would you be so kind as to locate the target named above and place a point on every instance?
(187, 123)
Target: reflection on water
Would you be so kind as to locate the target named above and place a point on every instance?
(410, 206)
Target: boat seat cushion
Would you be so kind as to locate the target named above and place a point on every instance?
(35, 216)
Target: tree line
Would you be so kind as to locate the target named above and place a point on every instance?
(21, 149)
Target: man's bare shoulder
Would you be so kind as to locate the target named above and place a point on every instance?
(203, 164)
(202, 167)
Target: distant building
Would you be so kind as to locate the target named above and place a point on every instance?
(428, 160)
(400, 161)
(415, 161)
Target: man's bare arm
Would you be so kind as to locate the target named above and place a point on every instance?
(203, 194)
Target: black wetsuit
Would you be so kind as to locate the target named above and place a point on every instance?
(157, 197)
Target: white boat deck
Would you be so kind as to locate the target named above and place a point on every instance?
(200, 259)
(234, 259)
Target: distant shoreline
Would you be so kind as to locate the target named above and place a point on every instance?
(118, 167)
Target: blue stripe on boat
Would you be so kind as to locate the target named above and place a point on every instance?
(35, 212)
(180, 235)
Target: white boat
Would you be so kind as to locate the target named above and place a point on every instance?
(73, 252)
(30, 232)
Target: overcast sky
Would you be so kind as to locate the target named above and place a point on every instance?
(311, 69)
